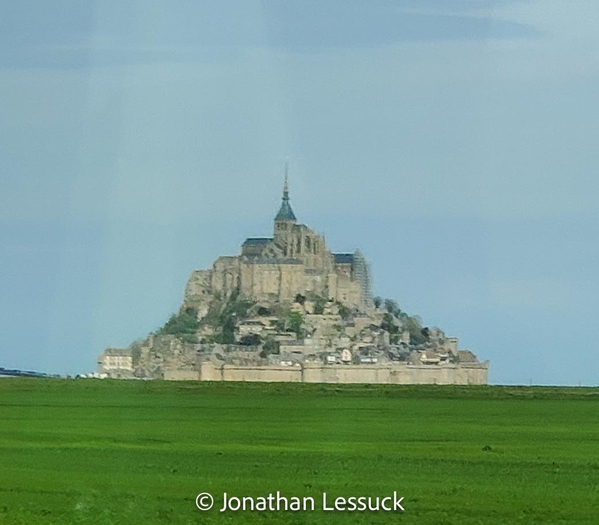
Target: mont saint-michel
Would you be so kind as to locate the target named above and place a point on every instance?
(289, 309)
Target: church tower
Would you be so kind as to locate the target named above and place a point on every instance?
(297, 241)
(285, 219)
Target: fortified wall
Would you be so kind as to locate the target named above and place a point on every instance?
(461, 374)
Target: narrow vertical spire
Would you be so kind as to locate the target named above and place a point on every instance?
(286, 213)
(286, 185)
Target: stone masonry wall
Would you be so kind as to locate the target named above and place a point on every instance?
(390, 374)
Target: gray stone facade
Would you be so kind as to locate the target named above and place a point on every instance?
(295, 260)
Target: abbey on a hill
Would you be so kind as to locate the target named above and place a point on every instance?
(288, 309)
(295, 260)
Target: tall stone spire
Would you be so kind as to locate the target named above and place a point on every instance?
(285, 212)
(286, 185)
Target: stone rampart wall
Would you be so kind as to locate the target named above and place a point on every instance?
(475, 374)
(181, 375)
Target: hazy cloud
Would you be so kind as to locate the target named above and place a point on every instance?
(68, 35)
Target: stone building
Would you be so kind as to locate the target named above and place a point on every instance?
(295, 260)
(116, 362)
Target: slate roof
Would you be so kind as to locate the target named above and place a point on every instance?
(257, 241)
(344, 258)
(285, 213)
(272, 260)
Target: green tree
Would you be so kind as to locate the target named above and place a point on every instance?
(235, 309)
(251, 340)
(294, 323)
(391, 306)
(377, 301)
(183, 325)
(418, 335)
(388, 324)
(227, 331)
(270, 346)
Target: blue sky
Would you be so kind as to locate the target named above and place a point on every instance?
(453, 141)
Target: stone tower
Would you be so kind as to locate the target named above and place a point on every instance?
(285, 219)
(297, 241)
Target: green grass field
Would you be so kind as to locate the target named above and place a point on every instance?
(104, 452)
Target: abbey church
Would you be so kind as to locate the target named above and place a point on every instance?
(295, 260)
(288, 309)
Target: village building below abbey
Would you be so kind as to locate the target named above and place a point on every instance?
(288, 309)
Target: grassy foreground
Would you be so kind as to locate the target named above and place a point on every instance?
(120, 452)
